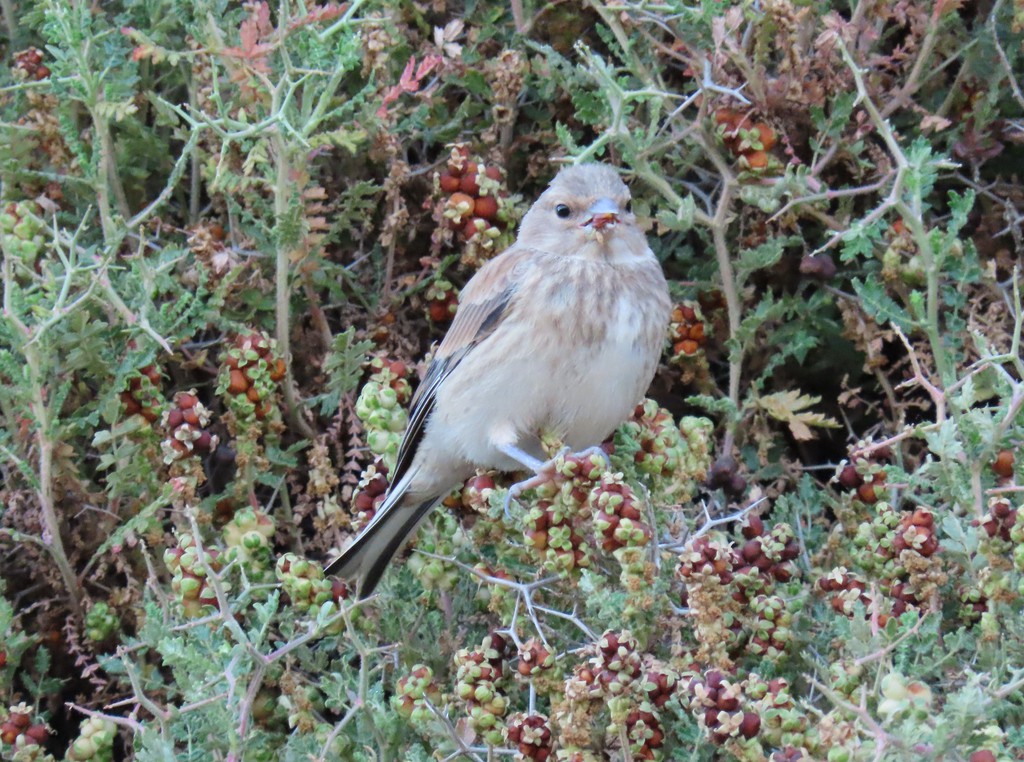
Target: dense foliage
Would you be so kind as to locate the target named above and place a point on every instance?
(230, 234)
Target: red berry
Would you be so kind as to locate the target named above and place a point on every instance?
(468, 183)
(866, 493)
(754, 527)
(766, 135)
(278, 371)
(474, 226)
(37, 734)
(438, 312)
(463, 201)
(486, 207)
(756, 159)
(750, 725)
(204, 442)
(449, 183)
(1003, 464)
(238, 383)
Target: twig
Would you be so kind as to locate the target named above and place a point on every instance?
(883, 652)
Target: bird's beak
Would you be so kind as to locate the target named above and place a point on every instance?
(603, 214)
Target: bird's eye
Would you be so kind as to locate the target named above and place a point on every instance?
(563, 211)
(629, 206)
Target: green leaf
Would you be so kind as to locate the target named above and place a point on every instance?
(880, 306)
(343, 367)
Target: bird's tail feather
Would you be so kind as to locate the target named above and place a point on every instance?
(368, 557)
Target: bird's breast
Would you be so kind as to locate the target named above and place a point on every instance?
(606, 328)
(576, 352)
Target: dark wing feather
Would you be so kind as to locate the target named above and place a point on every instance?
(487, 298)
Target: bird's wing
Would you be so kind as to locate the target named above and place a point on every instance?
(485, 302)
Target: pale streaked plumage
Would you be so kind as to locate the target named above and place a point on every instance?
(561, 333)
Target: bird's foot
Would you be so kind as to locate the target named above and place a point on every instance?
(600, 452)
(547, 471)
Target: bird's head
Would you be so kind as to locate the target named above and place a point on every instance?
(584, 212)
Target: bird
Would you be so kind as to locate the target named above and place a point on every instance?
(561, 333)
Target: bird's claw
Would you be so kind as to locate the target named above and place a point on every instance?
(518, 488)
(599, 451)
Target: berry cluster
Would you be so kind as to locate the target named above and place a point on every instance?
(21, 231)
(438, 541)
(551, 530)
(247, 538)
(896, 551)
(250, 374)
(676, 456)
(749, 140)
(142, 395)
(706, 568)
(617, 664)
(380, 407)
(19, 731)
(555, 524)
(28, 65)
(476, 205)
(414, 691)
(442, 301)
(620, 530)
(534, 659)
(660, 685)
(973, 603)
(686, 331)
(765, 558)
(899, 552)
(865, 477)
(783, 723)
(916, 532)
(998, 523)
(478, 680)
(186, 422)
(304, 583)
(617, 515)
(729, 588)
(719, 705)
(369, 494)
(661, 447)
(772, 633)
(866, 487)
(101, 622)
(846, 590)
(531, 734)
(644, 732)
(616, 673)
(189, 566)
(95, 742)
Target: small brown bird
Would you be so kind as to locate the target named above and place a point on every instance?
(560, 333)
